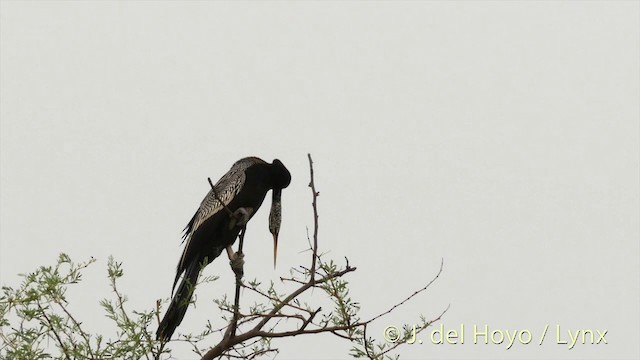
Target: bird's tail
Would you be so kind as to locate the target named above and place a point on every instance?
(179, 304)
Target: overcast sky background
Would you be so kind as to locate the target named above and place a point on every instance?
(500, 136)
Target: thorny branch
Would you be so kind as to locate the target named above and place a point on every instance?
(326, 280)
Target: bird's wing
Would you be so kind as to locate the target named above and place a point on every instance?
(226, 189)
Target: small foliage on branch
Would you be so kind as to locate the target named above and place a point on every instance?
(36, 320)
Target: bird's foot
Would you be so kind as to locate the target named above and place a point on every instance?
(240, 217)
(237, 264)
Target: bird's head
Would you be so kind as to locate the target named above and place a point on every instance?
(281, 179)
(280, 175)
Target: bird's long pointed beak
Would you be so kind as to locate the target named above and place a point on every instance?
(275, 249)
(275, 218)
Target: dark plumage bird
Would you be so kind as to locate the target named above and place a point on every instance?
(214, 227)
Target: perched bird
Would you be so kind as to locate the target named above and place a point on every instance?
(231, 202)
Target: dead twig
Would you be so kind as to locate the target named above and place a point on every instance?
(314, 204)
(215, 194)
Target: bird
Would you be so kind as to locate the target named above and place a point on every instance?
(222, 214)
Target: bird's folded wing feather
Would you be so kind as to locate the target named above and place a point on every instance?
(224, 190)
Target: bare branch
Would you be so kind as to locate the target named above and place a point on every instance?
(314, 203)
(344, 323)
(400, 342)
(410, 296)
(215, 194)
(231, 331)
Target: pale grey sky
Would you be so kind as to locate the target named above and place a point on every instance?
(500, 136)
